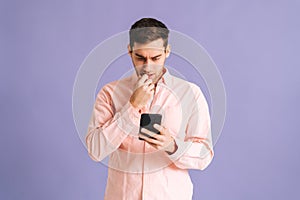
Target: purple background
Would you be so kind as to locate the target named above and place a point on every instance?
(255, 45)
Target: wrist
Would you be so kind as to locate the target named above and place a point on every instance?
(171, 148)
(132, 103)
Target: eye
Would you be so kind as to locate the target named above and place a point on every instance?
(140, 59)
(156, 58)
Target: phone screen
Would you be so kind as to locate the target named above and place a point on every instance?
(147, 121)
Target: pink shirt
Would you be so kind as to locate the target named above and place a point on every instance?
(137, 170)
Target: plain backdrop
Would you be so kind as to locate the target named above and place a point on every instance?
(255, 45)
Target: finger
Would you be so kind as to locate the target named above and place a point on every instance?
(151, 140)
(160, 128)
(148, 82)
(151, 87)
(143, 78)
(152, 134)
(147, 132)
(146, 87)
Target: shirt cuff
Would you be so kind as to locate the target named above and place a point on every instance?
(182, 147)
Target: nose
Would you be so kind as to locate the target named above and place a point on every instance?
(147, 64)
(148, 61)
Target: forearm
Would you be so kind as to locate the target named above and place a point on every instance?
(192, 155)
(103, 139)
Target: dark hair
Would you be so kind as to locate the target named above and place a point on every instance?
(147, 30)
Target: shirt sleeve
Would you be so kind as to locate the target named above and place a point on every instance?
(195, 151)
(107, 129)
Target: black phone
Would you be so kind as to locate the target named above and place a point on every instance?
(147, 121)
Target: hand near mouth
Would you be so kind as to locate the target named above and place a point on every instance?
(143, 93)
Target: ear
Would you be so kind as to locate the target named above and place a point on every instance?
(129, 50)
(168, 50)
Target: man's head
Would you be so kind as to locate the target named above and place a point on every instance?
(149, 47)
(147, 30)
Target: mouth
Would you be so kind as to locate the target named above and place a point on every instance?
(150, 75)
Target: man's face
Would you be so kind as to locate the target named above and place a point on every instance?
(149, 58)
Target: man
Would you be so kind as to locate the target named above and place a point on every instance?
(156, 165)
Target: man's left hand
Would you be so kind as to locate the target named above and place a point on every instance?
(163, 141)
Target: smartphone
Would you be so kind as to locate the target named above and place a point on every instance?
(147, 121)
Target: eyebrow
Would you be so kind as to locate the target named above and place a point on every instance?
(138, 55)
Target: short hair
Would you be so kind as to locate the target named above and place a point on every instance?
(147, 30)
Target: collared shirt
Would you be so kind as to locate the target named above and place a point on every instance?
(136, 170)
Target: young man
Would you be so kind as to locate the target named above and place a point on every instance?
(143, 164)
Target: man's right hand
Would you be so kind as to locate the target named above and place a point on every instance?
(143, 92)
